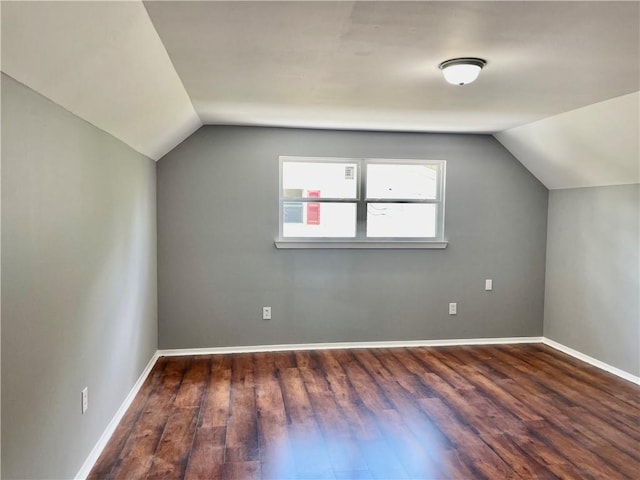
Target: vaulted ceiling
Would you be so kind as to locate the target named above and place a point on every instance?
(560, 89)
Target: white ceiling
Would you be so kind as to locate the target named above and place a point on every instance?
(151, 73)
(593, 145)
(104, 62)
(374, 65)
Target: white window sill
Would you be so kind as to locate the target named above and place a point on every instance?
(299, 244)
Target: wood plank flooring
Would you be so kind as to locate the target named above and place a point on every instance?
(492, 412)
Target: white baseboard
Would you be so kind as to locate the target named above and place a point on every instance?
(592, 361)
(111, 427)
(347, 345)
(401, 344)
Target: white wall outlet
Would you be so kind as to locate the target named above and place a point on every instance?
(85, 399)
(266, 313)
(453, 309)
(488, 284)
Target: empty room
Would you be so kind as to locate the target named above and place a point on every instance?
(320, 240)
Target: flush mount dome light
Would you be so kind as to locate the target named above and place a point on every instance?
(460, 71)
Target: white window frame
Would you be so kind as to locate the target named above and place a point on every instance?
(362, 201)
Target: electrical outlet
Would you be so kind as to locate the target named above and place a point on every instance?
(453, 309)
(488, 284)
(85, 399)
(266, 313)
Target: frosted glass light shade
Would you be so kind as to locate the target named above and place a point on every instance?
(460, 71)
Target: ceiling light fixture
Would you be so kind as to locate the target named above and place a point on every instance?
(460, 71)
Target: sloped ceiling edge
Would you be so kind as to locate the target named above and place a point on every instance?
(596, 145)
(75, 54)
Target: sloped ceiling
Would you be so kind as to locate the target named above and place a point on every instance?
(594, 145)
(104, 62)
(152, 73)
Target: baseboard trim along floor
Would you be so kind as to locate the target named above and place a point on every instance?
(111, 427)
(347, 345)
(591, 361)
(104, 438)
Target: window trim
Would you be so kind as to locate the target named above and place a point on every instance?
(361, 240)
(370, 244)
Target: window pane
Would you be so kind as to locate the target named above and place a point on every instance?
(318, 219)
(319, 180)
(407, 220)
(411, 182)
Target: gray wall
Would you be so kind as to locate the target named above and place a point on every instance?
(592, 287)
(79, 304)
(217, 265)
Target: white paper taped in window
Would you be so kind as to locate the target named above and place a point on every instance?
(349, 172)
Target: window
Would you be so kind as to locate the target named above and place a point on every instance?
(336, 202)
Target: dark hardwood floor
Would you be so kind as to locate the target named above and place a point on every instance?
(503, 412)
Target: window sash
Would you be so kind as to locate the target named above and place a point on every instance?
(362, 201)
(402, 162)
